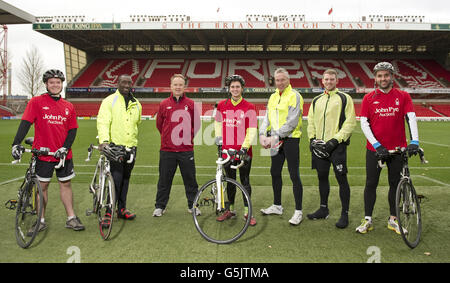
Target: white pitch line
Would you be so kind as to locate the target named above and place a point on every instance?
(432, 180)
(253, 167)
(433, 143)
(12, 180)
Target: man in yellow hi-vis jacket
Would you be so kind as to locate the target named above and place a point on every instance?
(281, 131)
(117, 122)
(331, 120)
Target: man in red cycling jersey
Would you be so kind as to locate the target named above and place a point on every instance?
(383, 114)
(55, 127)
(236, 128)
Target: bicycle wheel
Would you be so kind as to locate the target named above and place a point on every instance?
(28, 212)
(226, 231)
(106, 205)
(408, 213)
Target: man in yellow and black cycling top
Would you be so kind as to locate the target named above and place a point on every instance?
(281, 131)
(331, 120)
(117, 122)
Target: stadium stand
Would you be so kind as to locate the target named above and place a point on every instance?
(352, 73)
(414, 75)
(86, 79)
(442, 109)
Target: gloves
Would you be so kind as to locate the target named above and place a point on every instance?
(311, 142)
(412, 149)
(242, 153)
(331, 145)
(17, 151)
(61, 153)
(318, 148)
(382, 152)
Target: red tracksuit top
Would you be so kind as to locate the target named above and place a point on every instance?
(177, 122)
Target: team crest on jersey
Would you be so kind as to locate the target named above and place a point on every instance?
(66, 111)
(185, 107)
(397, 102)
(45, 108)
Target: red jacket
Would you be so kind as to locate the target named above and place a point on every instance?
(178, 122)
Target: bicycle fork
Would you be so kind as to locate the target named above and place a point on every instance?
(219, 187)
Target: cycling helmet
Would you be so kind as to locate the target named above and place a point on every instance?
(114, 152)
(318, 148)
(53, 73)
(384, 66)
(234, 78)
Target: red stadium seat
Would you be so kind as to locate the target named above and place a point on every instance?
(413, 74)
(441, 108)
(305, 73)
(91, 73)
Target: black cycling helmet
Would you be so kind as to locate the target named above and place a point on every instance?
(53, 73)
(384, 66)
(234, 78)
(114, 152)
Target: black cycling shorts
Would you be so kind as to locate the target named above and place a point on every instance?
(44, 170)
(338, 158)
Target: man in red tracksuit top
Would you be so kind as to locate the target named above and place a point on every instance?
(236, 126)
(178, 122)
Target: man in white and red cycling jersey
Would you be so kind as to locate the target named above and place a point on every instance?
(383, 114)
(236, 126)
(55, 127)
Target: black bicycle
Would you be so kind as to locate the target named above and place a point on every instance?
(30, 202)
(406, 201)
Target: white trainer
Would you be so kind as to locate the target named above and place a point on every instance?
(273, 209)
(158, 212)
(197, 211)
(296, 218)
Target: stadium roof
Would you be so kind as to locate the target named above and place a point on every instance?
(12, 15)
(94, 37)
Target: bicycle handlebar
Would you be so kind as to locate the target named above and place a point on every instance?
(221, 161)
(42, 152)
(91, 147)
(401, 151)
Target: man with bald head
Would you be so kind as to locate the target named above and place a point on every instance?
(117, 123)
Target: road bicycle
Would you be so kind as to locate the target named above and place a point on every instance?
(407, 202)
(212, 199)
(30, 202)
(103, 190)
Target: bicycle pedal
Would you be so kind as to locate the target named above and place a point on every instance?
(12, 204)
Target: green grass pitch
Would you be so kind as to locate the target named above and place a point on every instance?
(173, 237)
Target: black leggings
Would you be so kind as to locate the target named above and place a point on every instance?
(121, 173)
(244, 174)
(290, 151)
(339, 160)
(394, 165)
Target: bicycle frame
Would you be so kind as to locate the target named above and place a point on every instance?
(220, 200)
(104, 167)
(103, 164)
(30, 197)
